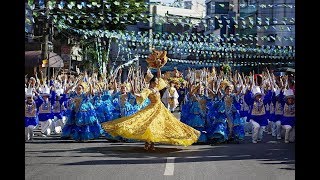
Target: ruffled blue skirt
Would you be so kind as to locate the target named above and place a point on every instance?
(184, 113)
(82, 133)
(128, 110)
(195, 120)
(85, 117)
(238, 132)
(82, 126)
(203, 136)
(104, 115)
(218, 131)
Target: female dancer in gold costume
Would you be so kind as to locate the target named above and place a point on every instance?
(154, 123)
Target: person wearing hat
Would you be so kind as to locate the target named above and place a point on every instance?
(44, 104)
(58, 109)
(244, 107)
(30, 115)
(257, 100)
(288, 118)
(276, 113)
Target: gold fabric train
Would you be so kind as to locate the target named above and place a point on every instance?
(154, 123)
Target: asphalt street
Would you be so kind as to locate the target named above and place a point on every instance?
(53, 158)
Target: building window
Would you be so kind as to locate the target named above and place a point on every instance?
(221, 7)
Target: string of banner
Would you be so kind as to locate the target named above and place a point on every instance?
(229, 50)
(200, 37)
(231, 63)
(286, 23)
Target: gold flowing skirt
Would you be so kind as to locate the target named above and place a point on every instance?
(155, 123)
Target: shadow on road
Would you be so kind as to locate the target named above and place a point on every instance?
(260, 152)
(269, 152)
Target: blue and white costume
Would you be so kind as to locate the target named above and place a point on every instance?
(288, 119)
(30, 116)
(258, 112)
(58, 110)
(244, 111)
(44, 105)
(275, 117)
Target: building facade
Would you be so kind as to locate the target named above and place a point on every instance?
(277, 22)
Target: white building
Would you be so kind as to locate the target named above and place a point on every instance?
(164, 19)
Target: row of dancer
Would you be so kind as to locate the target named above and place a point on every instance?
(222, 107)
(225, 107)
(75, 108)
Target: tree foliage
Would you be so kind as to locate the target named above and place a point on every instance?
(94, 14)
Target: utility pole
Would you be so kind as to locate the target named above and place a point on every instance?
(45, 35)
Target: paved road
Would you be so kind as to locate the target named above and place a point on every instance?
(52, 158)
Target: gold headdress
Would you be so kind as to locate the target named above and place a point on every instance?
(224, 84)
(157, 59)
(85, 86)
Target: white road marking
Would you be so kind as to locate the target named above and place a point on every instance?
(169, 166)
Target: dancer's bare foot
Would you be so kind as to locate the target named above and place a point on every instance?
(146, 146)
(152, 147)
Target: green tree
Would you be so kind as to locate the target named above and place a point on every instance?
(92, 15)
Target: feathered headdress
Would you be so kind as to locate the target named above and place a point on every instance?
(157, 59)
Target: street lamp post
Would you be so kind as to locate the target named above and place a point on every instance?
(45, 32)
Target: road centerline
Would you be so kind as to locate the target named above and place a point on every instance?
(169, 166)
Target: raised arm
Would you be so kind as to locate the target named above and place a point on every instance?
(159, 73)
